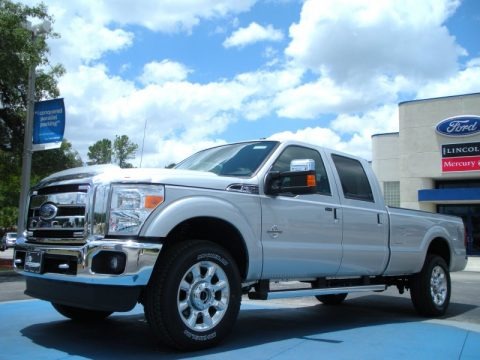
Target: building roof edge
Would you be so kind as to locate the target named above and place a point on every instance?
(437, 98)
(385, 134)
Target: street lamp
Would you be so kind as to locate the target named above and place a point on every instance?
(36, 30)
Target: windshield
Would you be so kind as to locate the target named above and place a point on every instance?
(241, 159)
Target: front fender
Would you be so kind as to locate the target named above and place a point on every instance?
(232, 208)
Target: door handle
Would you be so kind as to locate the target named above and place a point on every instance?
(334, 210)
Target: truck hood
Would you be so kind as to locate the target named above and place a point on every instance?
(113, 174)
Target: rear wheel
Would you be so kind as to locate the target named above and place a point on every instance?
(430, 289)
(333, 299)
(80, 314)
(193, 298)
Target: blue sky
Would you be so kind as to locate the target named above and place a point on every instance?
(197, 73)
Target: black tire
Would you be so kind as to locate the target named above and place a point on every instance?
(430, 289)
(333, 299)
(80, 314)
(193, 297)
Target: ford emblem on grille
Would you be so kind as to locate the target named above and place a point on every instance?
(48, 211)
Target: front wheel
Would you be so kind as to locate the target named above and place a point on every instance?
(430, 289)
(80, 314)
(193, 298)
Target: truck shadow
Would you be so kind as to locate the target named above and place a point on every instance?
(261, 327)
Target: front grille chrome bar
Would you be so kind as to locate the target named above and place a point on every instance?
(58, 214)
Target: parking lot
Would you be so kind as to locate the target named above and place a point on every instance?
(370, 326)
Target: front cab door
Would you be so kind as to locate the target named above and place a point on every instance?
(302, 234)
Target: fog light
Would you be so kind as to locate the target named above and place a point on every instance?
(109, 262)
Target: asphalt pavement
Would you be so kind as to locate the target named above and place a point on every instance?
(372, 326)
(32, 329)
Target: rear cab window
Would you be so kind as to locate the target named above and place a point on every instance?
(354, 180)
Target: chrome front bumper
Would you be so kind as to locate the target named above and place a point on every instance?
(78, 263)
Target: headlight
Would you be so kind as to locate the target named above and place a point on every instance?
(130, 206)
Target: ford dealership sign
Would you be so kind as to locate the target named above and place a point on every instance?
(464, 125)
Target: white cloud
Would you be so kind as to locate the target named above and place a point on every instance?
(168, 151)
(463, 82)
(316, 136)
(363, 54)
(348, 58)
(379, 120)
(348, 133)
(253, 33)
(163, 71)
(353, 41)
(84, 41)
(89, 29)
(100, 105)
(324, 96)
(325, 137)
(310, 100)
(172, 16)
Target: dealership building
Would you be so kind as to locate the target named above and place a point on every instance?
(433, 162)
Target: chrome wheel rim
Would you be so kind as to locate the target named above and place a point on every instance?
(203, 296)
(438, 286)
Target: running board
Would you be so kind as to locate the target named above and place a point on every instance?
(294, 293)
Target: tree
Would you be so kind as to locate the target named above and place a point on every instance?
(47, 162)
(124, 149)
(18, 52)
(103, 151)
(100, 152)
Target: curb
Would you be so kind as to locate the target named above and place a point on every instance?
(473, 264)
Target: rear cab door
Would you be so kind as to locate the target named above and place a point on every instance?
(365, 219)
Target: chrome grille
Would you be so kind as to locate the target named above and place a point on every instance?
(58, 214)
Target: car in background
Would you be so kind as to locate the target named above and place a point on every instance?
(8, 241)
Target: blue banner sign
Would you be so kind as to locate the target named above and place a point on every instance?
(48, 123)
(464, 125)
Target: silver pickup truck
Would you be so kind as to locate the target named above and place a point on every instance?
(230, 220)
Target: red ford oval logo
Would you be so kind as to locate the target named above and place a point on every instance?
(48, 211)
(464, 125)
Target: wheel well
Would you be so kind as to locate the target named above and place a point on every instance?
(215, 230)
(440, 247)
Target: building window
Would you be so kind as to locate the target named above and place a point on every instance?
(391, 193)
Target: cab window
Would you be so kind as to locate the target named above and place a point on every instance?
(298, 152)
(355, 184)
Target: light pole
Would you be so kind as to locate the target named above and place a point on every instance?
(36, 30)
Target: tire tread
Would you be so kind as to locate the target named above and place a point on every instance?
(420, 288)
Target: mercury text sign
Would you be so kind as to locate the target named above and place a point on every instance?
(48, 124)
(465, 163)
